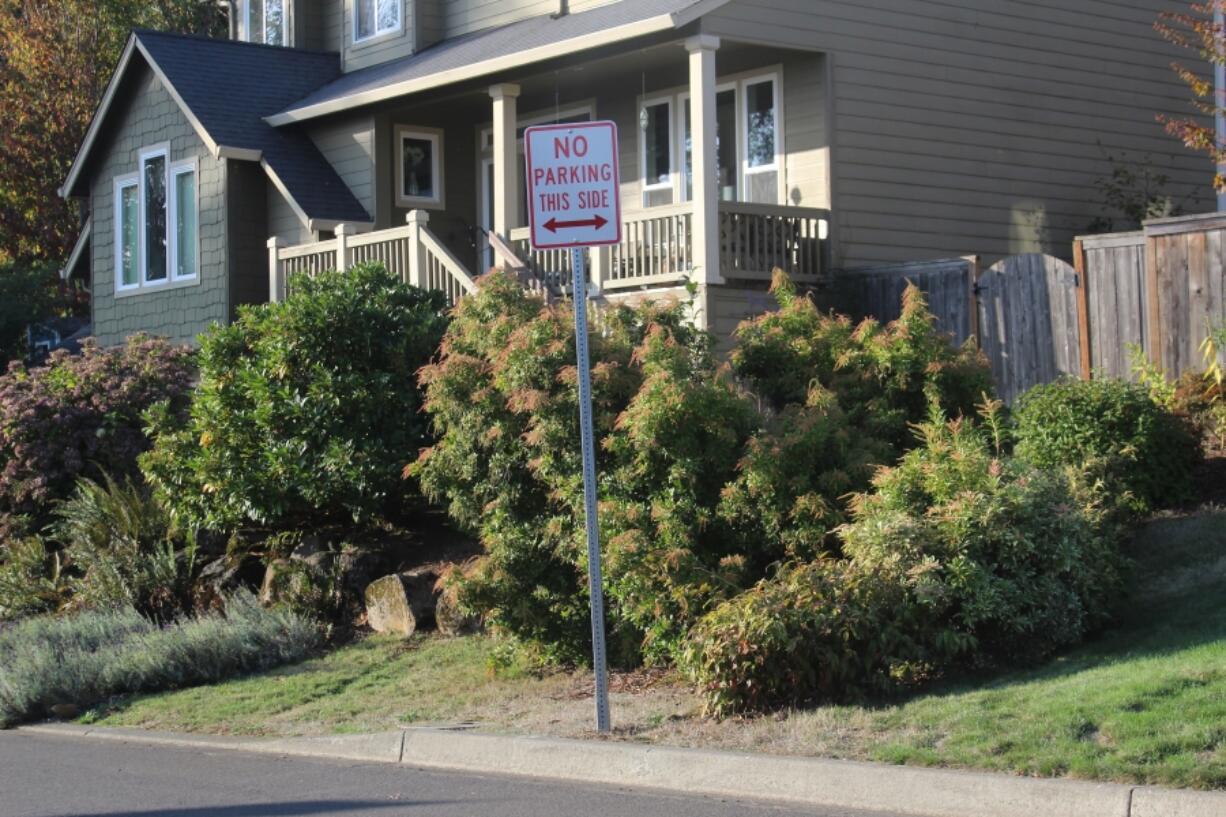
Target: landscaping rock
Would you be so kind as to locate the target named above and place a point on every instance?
(312, 551)
(220, 578)
(65, 712)
(451, 620)
(401, 603)
(270, 587)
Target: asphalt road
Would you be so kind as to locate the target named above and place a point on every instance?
(43, 776)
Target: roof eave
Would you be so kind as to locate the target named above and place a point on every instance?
(585, 42)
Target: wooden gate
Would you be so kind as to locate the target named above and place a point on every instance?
(1028, 325)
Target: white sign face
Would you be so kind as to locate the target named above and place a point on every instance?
(573, 191)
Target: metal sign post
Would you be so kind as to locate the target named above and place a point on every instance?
(574, 203)
(588, 443)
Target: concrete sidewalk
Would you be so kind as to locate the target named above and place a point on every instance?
(795, 780)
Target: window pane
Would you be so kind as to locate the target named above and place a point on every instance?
(365, 10)
(129, 212)
(255, 21)
(418, 181)
(760, 110)
(389, 15)
(155, 218)
(185, 227)
(274, 22)
(725, 146)
(656, 145)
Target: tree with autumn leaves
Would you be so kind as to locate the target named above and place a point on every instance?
(56, 57)
(1195, 29)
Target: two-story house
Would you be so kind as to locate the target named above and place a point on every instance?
(805, 134)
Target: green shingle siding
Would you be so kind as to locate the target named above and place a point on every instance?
(152, 117)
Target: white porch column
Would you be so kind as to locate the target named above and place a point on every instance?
(506, 159)
(705, 230)
(276, 271)
(417, 219)
(342, 232)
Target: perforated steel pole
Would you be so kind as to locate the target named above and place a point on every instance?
(588, 443)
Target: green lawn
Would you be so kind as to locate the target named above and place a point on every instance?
(1144, 702)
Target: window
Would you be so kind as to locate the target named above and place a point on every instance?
(153, 216)
(157, 223)
(185, 219)
(419, 167)
(761, 140)
(127, 216)
(725, 145)
(266, 21)
(656, 152)
(372, 18)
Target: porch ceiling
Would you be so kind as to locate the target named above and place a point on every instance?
(500, 49)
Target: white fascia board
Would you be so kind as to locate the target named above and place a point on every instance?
(108, 99)
(241, 154)
(650, 25)
(78, 248)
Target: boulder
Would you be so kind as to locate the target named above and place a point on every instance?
(312, 551)
(401, 603)
(450, 618)
(273, 578)
(221, 577)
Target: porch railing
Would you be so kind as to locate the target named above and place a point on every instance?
(657, 247)
(411, 252)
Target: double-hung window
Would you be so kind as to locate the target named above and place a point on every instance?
(761, 117)
(374, 18)
(266, 22)
(157, 217)
(656, 151)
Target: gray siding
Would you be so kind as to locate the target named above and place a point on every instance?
(247, 233)
(428, 22)
(283, 221)
(150, 117)
(974, 126)
(465, 16)
(348, 144)
(379, 49)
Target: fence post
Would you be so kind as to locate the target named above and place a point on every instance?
(972, 282)
(1083, 309)
(417, 221)
(601, 258)
(343, 231)
(276, 271)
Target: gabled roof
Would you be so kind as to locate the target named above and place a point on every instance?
(225, 88)
(497, 49)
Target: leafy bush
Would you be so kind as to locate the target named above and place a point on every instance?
(883, 376)
(86, 658)
(1073, 421)
(307, 410)
(821, 629)
(1013, 561)
(61, 421)
(124, 550)
(956, 557)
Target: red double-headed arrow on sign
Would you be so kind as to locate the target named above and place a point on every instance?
(597, 221)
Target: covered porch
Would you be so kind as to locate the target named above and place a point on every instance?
(724, 169)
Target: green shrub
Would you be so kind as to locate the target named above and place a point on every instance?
(817, 630)
(124, 550)
(86, 658)
(1072, 421)
(1013, 562)
(883, 376)
(307, 410)
(32, 579)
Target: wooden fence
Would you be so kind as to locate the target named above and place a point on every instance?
(1036, 318)
(1161, 288)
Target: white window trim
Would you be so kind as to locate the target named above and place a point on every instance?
(384, 32)
(285, 23)
(435, 137)
(181, 168)
(775, 166)
(121, 183)
(671, 184)
(162, 150)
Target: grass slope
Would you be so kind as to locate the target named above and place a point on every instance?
(1144, 702)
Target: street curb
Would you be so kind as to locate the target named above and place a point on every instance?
(739, 775)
